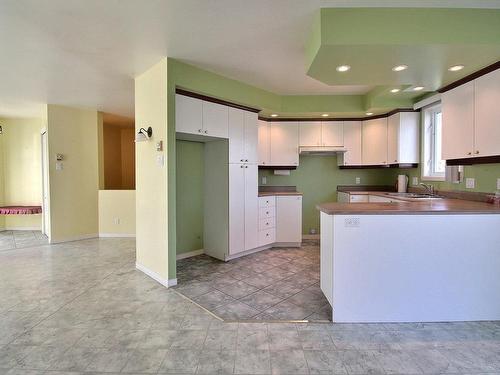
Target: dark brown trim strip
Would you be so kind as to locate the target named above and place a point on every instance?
(393, 112)
(211, 99)
(380, 166)
(471, 77)
(476, 160)
(278, 167)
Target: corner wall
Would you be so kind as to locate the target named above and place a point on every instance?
(73, 133)
(151, 176)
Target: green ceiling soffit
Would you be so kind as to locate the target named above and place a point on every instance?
(428, 40)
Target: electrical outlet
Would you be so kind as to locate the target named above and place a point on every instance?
(498, 183)
(352, 222)
(414, 181)
(116, 220)
(470, 183)
(264, 180)
(358, 180)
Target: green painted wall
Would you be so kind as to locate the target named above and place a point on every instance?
(485, 174)
(189, 197)
(317, 177)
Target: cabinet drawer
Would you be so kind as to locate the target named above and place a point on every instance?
(267, 236)
(267, 223)
(267, 201)
(358, 198)
(265, 212)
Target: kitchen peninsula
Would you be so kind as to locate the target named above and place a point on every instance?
(425, 261)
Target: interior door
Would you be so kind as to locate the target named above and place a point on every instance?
(236, 208)
(251, 207)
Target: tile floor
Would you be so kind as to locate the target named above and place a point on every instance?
(16, 239)
(275, 284)
(82, 307)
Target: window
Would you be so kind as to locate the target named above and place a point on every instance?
(433, 165)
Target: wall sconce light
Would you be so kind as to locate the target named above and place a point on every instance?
(144, 135)
(1, 130)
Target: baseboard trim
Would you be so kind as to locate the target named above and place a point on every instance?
(172, 282)
(75, 238)
(190, 254)
(117, 235)
(310, 236)
(21, 228)
(153, 275)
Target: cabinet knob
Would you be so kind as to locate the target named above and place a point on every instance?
(241, 166)
(241, 159)
(267, 234)
(395, 161)
(199, 130)
(469, 153)
(267, 212)
(206, 131)
(246, 160)
(477, 152)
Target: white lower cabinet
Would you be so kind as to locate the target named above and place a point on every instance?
(243, 208)
(267, 220)
(289, 219)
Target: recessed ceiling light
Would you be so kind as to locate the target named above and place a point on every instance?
(394, 90)
(274, 115)
(343, 68)
(455, 68)
(400, 68)
(325, 115)
(369, 113)
(418, 88)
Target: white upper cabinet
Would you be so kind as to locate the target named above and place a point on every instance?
(188, 115)
(352, 143)
(251, 138)
(284, 143)
(457, 106)
(236, 135)
(487, 115)
(264, 141)
(374, 141)
(215, 120)
(332, 133)
(403, 138)
(309, 133)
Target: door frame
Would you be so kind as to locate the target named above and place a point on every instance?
(45, 183)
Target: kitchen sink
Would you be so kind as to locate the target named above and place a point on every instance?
(415, 195)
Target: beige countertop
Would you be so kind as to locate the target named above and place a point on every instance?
(273, 193)
(436, 206)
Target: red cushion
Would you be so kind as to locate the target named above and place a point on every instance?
(20, 210)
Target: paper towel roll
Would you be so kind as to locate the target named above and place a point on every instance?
(402, 183)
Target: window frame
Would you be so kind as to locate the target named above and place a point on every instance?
(429, 150)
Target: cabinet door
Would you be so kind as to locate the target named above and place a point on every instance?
(188, 115)
(251, 207)
(309, 133)
(374, 140)
(236, 208)
(289, 218)
(487, 114)
(457, 106)
(264, 144)
(284, 143)
(393, 138)
(251, 138)
(409, 137)
(215, 120)
(236, 135)
(332, 133)
(352, 143)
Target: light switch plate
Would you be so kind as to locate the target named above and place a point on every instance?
(358, 180)
(498, 183)
(470, 183)
(414, 181)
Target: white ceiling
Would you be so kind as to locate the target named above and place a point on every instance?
(85, 53)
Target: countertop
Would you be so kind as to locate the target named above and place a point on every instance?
(434, 207)
(384, 194)
(274, 193)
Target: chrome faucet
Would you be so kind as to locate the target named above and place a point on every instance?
(429, 188)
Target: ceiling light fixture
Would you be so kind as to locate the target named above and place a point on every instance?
(455, 68)
(369, 113)
(418, 88)
(274, 115)
(394, 91)
(343, 68)
(399, 68)
(325, 115)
